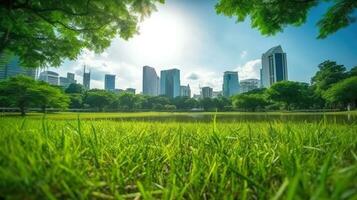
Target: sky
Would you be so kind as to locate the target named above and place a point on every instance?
(190, 36)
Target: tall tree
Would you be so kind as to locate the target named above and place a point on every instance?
(344, 92)
(18, 91)
(329, 73)
(45, 96)
(45, 32)
(272, 16)
(289, 93)
(99, 99)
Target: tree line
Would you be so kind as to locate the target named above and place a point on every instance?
(331, 87)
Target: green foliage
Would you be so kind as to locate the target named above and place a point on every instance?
(99, 99)
(290, 93)
(272, 16)
(329, 73)
(75, 88)
(102, 159)
(45, 96)
(251, 102)
(344, 91)
(23, 92)
(45, 32)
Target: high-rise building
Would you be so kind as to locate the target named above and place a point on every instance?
(185, 91)
(49, 77)
(9, 68)
(170, 83)
(86, 79)
(206, 92)
(230, 83)
(70, 78)
(151, 82)
(109, 82)
(66, 81)
(248, 85)
(274, 66)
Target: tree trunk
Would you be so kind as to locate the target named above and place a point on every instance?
(22, 110)
(43, 109)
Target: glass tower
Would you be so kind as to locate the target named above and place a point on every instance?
(274, 66)
(170, 83)
(230, 83)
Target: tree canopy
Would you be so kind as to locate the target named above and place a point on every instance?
(344, 91)
(272, 16)
(45, 32)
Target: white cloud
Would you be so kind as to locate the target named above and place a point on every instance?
(243, 54)
(250, 69)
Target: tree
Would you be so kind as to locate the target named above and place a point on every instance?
(127, 101)
(99, 99)
(75, 88)
(344, 92)
(76, 100)
(352, 72)
(45, 95)
(289, 93)
(249, 102)
(329, 73)
(45, 32)
(272, 16)
(18, 92)
(207, 104)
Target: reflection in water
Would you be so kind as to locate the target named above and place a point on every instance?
(196, 117)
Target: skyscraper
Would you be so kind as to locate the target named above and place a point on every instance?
(185, 91)
(49, 77)
(12, 68)
(109, 82)
(170, 83)
(206, 92)
(86, 79)
(151, 82)
(70, 78)
(248, 85)
(274, 66)
(230, 83)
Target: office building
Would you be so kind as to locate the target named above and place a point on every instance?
(109, 82)
(248, 85)
(185, 91)
(66, 81)
(230, 83)
(130, 90)
(49, 77)
(170, 83)
(274, 66)
(70, 78)
(151, 82)
(206, 92)
(86, 79)
(11, 67)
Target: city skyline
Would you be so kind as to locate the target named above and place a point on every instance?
(218, 45)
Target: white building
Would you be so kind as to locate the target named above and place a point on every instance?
(249, 84)
(50, 77)
(274, 66)
(185, 91)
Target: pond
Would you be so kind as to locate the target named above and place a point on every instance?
(239, 117)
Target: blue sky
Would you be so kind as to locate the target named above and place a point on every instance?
(190, 36)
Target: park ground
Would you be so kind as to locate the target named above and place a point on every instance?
(71, 156)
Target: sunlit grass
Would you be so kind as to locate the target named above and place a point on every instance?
(82, 159)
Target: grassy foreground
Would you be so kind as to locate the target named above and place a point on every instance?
(59, 159)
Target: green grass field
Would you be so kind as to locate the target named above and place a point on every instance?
(58, 158)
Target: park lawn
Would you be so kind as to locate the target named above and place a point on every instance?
(103, 159)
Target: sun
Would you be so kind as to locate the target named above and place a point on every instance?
(162, 36)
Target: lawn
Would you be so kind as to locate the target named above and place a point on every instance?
(58, 158)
